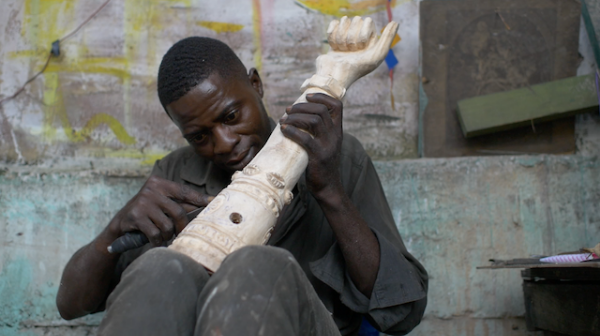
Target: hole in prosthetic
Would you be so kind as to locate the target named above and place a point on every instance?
(235, 218)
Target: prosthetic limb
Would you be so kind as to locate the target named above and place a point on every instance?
(246, 211)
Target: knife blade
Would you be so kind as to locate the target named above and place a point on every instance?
(135, 239)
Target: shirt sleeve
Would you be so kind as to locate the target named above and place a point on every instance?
(159, 170)
(399, 295)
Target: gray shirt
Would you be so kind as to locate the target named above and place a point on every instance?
(399, 296)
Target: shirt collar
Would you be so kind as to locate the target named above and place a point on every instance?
(202, 172)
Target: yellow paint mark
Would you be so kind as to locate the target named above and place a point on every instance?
(52, 103)
(220, 27)
(340, 8)
(257, 28)
(27, 54)
(45, 21)
(395, 40)
(144, 22)
(115, 66)
(55, 109)
(147, 158)
(112, 123)
(150, 159)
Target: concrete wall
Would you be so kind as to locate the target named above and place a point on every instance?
(79, 142)
(98, 99)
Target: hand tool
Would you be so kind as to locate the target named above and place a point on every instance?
(135, 239)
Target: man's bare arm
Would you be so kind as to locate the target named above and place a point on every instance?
(158, 210)
(87, 278)
(356, 240)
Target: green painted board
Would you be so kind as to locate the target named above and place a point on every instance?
(526, 106)
(471, 48)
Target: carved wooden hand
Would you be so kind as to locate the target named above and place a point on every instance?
(355, 52)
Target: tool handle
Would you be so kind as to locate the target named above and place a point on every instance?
(128, 241)
(135, 239)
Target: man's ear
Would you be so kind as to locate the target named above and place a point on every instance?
(255, 81)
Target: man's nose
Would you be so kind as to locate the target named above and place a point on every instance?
(224, 139)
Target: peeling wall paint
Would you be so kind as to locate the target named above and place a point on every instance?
(98, 98)
(340, 8)
(453, 214)
(45, 218)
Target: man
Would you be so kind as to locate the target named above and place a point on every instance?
(335, 254)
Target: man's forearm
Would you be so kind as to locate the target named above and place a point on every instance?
(356, 240)
(86, 279)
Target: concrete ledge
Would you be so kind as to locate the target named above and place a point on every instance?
(454, 215)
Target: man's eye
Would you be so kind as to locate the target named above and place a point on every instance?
(231, 116)
(197, 139)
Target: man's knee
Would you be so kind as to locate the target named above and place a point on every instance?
(269, 257)
(162, 260)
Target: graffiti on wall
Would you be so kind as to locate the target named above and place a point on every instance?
(99, 96)
(339, 8)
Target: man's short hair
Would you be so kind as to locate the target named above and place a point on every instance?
(191, 60)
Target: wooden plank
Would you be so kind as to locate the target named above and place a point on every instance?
(580, 274)
(526, 106)
(566, 308)
(468, 51)
(546, 265)
(550, 333)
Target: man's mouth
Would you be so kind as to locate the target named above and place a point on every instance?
(241, 160)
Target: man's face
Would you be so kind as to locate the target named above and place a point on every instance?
(224, 120)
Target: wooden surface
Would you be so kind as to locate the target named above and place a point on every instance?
(521, 107)
(563, 301)
(472, 48)
(544, 265)
(576, 272)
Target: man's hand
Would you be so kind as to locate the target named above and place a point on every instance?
(158, 210)
(321, 116)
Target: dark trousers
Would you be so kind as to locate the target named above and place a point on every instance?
(258, 290)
